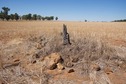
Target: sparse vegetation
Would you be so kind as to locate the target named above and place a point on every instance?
(96, 54)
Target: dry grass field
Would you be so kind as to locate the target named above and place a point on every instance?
(32, 52)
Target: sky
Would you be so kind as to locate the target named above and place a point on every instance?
(70, 10)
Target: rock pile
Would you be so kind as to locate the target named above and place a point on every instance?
(53, 61)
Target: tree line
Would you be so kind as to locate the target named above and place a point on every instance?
(5, 16)
(124, 20)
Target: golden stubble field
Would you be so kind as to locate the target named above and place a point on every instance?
(28, 50)
(99, 30)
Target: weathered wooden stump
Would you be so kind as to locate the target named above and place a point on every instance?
(66, 37)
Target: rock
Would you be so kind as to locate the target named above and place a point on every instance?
(11, 64)
(52, 66)
(107, 70)
(95, 67)
(33, 61)
(52, 60)
(71, 70)
(16, 60)
(60, 66)
(55, 57)
(35, 56)
(38, 45)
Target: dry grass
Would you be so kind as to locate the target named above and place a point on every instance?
(100, 43)
(76, 29)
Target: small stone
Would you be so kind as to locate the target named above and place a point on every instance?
(71, 70)
(108, 70)
(96, 67)
(16, 60)
(60, 66)
(53, 66)
(11, 64)
(38, 45)
(36, 56)
(33, 61)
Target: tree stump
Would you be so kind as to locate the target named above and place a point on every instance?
(66, 37)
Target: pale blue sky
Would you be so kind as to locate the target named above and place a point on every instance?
(77, 10)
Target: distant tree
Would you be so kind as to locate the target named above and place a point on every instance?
(29, 16)
(5, 13)
(85, 20)
(12, 16)
(51, 17)
(124, 20)
(56, 18)
(24, 17)
(39, 17)
(46, 18)
(43, 18)
(7, 17)
(16, 16)
(1, 15)
(6, 9)
(34, 17)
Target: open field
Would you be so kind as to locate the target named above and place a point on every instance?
(97, 54)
